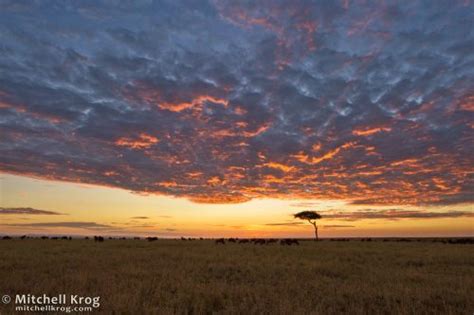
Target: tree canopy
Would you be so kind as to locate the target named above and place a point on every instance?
(307, 215)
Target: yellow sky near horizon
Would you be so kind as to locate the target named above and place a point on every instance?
(97, 210)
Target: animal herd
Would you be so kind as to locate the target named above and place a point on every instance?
(255, 241)
(258, 241)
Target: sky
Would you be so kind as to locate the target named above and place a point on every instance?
(224, 118)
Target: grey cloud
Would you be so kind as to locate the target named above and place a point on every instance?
(393, 214)
(72, 224)
(285, 224)
(27, 210)
(204, 99)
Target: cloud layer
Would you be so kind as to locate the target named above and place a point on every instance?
(72, 224)
(394, 214)
(228, 101)
(27, 211)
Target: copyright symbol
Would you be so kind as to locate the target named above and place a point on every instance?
(6, 299)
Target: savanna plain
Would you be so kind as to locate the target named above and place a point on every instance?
(202, 277)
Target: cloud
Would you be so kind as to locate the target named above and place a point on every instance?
(393, 214)
(27, 211)
(337, 226)
(223, 102)
(72, 224)
(140, 218)
(285, 224)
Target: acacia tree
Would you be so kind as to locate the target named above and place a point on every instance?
(311, 217)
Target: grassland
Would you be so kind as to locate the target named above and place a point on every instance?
(200, 277)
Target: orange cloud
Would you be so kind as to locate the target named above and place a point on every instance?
(143, 141)
(219, 199)
(281, 167)
(329, 155)
(370, 131)
(196, 102)
(467, 104)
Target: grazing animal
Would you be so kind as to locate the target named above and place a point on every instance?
(259, 241)
(220, 241)
(151, 239)
(402, 240)
(23, 237)
(243, 241)
(44, 237)
(289, 242)
(461, 241)
(86, 238)
(55, 238)
(232, 240)
(6, 237)
(98, 239)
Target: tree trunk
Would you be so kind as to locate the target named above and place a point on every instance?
(315, 231)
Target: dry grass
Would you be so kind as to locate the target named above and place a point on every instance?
(172, 276)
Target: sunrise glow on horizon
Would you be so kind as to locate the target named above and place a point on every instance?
(223, 119)
(79, 209)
